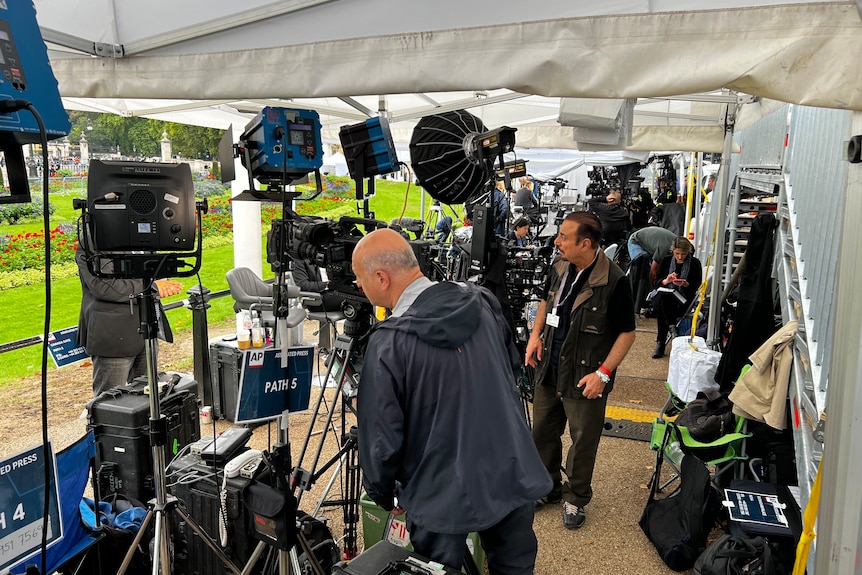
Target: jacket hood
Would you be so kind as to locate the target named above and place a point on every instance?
(445, 315)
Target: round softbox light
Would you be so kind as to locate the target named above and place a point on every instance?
(439, 159)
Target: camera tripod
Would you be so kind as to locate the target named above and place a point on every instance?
(342, 365)
(160, 508)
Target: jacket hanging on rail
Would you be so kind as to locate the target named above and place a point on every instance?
(761, 392)
(754, 320)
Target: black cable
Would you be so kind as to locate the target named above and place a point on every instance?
(8, 106)
(162, 261)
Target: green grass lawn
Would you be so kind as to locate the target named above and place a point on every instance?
(24, 306)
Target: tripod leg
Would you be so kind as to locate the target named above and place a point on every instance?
(312, 558)
(335, 475)
(161, 550)
(351, 505)
(255, 555)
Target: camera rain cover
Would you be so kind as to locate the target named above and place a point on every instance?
(439, 159)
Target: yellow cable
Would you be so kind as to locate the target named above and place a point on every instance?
(803, 549)
(689, 195)
(701, 290)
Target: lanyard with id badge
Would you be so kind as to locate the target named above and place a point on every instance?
(553, 318)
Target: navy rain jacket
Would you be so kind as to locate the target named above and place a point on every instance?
(440, 421)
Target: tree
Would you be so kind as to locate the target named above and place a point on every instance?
(194, 141)
(141, 136)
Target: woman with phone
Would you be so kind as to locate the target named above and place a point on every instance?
(681, 275)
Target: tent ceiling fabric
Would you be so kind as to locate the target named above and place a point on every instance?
(667, 125)
(802, 53)
(217, 62)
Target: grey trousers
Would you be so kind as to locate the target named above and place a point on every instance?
(586, 418)
(111, 372)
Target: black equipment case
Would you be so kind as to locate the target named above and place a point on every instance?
(120, 420)
(225, 366)
(199, 492)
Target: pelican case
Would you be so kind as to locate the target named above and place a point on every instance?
(120, 420)
(200, 493)
(225, 367)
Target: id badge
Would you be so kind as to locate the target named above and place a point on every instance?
(553, 320)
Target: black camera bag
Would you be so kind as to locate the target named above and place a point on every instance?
(272, 513)
(678, 524)
(732, 555)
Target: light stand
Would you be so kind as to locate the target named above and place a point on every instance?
(160, 507)
(148, 266)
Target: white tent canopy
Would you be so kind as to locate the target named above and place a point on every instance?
(216, 62)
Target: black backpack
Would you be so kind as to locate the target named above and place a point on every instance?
(731, 555)
(678, 524)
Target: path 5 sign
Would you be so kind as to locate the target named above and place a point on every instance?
(266, 389)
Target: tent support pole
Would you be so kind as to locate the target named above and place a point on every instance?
(721, 193)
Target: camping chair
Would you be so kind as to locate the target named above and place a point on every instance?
(73, 471)
(725, 454)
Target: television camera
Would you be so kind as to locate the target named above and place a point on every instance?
(329, 244)
(526, 272)
(556, 184)
(603, 179)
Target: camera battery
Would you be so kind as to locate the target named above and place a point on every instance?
(225, 368)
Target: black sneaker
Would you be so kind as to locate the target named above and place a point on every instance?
(549, 499)
(573, 516)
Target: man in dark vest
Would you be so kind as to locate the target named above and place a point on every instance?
(584, 328)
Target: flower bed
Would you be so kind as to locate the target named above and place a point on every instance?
(27, 250)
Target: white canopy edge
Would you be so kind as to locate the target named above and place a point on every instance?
(644, 138)
(800, 53)
(220, 115)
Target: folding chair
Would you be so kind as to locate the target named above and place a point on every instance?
(73, 472)
(727, 453)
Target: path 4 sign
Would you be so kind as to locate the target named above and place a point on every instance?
(22, 494)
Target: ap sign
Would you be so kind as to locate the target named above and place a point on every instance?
(266, 389)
